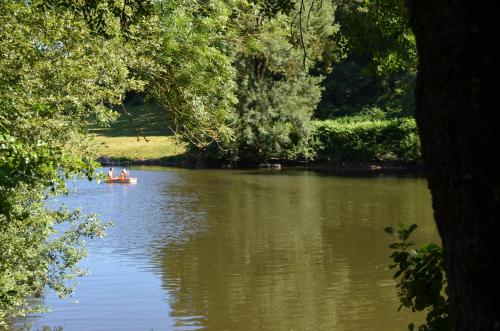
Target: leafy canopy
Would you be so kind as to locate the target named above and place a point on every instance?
(57, 73)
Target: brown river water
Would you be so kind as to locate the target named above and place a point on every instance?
(241, 250)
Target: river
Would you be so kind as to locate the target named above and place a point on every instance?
(241, 250)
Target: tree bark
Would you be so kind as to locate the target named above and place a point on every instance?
(457, 88)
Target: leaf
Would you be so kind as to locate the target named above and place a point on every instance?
(389, 230)
(412, 228)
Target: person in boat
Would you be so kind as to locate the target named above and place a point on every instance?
(111, 173)
(123, 173)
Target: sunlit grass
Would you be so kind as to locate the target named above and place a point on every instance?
(119, 141)
(127, 147)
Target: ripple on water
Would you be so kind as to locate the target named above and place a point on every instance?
(241, 250)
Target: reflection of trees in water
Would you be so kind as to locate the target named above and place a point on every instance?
(283, 253)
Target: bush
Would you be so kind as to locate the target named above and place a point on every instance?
(360, 138)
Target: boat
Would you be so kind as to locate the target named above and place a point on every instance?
(128, 180)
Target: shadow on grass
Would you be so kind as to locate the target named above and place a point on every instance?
(183, 160)
(149, 118)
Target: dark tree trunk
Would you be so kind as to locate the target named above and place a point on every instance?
(457, 112)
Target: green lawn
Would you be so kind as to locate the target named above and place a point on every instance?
(127, 147)
(120, 141)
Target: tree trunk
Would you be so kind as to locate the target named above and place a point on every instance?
(457, 86)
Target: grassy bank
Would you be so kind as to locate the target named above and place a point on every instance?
(120, 139)
(128, 148)
(350, 142)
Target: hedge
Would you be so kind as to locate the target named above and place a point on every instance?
(359, 139)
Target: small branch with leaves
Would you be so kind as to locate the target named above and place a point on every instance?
(422, 280)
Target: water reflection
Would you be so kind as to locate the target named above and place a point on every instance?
(290, 253)
(242, 250)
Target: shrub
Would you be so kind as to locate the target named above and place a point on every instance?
(359, 138)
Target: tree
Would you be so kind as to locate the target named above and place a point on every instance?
(192, 77)
(57, 73)
(277, 91)
(380, 60)
(455, 114)
(64, 65)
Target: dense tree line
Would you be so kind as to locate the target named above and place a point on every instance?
(317, 60)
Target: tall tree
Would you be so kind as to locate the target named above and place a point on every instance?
(455, 111)
(277, 91)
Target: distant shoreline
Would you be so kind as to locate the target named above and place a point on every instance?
(341, 167)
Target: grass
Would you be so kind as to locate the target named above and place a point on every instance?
(149, 118)
(119, 141)
(127, 147)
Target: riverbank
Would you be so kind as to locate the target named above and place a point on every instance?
(167, 151)
(157, 150)
(375, 144)
(187, 160)
(142, 138)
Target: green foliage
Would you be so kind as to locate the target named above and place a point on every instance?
(352, 86)
(422, 280)
(275, 121)
(382, 28)
(347, 89)
(366, 138)
(104, 17)
(378, 58)
(277, 95)
(271, 8)
(380, 63)
(56, 74)
(34, 256)
(192, 77)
